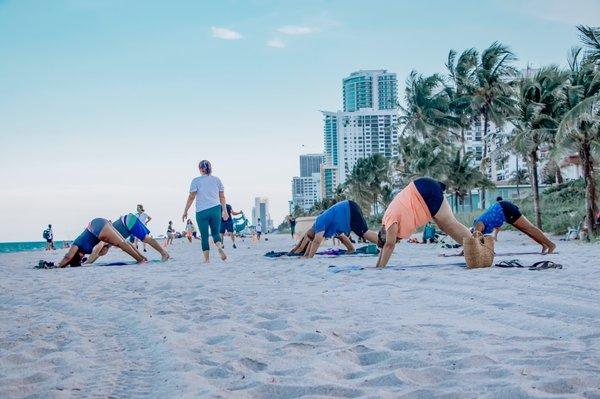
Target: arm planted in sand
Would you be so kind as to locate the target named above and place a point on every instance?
(96, 253)
(314, 245)
(388, 247)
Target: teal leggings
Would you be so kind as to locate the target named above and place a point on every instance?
(210, 217)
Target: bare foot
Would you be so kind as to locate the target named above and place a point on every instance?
(165, 257)
(222, 254)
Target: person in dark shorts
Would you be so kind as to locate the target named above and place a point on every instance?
(491, 221)
(340, 219)
(98, 231)
(227, 225)
(292, 222)
(48, 235)
(130, 225)
(419, 202)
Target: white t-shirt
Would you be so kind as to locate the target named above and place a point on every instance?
(258, 227)
(143, 217)
(207, 189)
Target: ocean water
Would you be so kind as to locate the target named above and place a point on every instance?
(7, 247)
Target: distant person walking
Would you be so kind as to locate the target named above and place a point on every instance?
(170, 234)
(258, 229)
(228, 227)
(190, 229)
(145, 219)
(209, 193)
(292, 222)
(48, 235)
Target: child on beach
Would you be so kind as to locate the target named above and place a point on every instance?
(190, 229)
(98, 231)
(170, 234)
(418, 203)
(337, 221)
(258, 229)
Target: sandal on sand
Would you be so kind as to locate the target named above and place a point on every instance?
(509, 263)
(545, 264)
(42, 264)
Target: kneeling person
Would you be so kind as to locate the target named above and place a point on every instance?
(337, 221)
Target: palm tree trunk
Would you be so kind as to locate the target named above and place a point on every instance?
(486, 123)
(535, 189)
(518, 175)
(559, 176)
(462, 141)
(590, 185)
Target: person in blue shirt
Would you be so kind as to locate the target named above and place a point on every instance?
(337, 221)
(491, 221)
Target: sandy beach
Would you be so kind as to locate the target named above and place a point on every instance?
(255, 327)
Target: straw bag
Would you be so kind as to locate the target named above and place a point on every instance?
(479, 250)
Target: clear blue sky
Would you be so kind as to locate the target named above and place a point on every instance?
(107, 103)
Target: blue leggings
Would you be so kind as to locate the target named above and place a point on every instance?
(210, 217)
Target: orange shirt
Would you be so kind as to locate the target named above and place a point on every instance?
(409, 210)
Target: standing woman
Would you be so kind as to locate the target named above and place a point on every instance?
(209, 194)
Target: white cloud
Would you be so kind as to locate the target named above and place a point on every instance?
(571, 12)
(225, 34)
(296, 30)
(277, 43)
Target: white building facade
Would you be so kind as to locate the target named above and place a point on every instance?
(368, 125)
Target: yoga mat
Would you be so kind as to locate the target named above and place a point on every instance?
(350, 268)
(504, 254)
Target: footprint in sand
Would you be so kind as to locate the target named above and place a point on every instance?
(272, 325)
(252, 364)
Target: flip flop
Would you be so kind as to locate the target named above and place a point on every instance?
(545, 264)
(509, 263)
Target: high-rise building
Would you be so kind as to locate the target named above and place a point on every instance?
(309, 164)
(306, 188)
(306, 191)
(368, 125)
(261, 210)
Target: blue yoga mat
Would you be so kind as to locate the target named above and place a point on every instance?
(131, 263)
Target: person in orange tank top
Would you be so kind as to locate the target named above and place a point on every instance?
(418, 203)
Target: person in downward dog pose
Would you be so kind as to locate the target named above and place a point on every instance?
(209, 193)
(337, 221)
(98, 231)
(418, 203)
(129, 225)
(491, 221)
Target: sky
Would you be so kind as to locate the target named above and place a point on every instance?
(105, 104)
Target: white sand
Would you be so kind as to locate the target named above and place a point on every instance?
(286, 328)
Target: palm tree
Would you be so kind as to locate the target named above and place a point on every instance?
(492, 95)
(519, 177)
(462, 176)
(419, 158)
(579, 129)
(462, 74)
(590, 37)
(538, 102)
(427, 111)
(367, 180)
